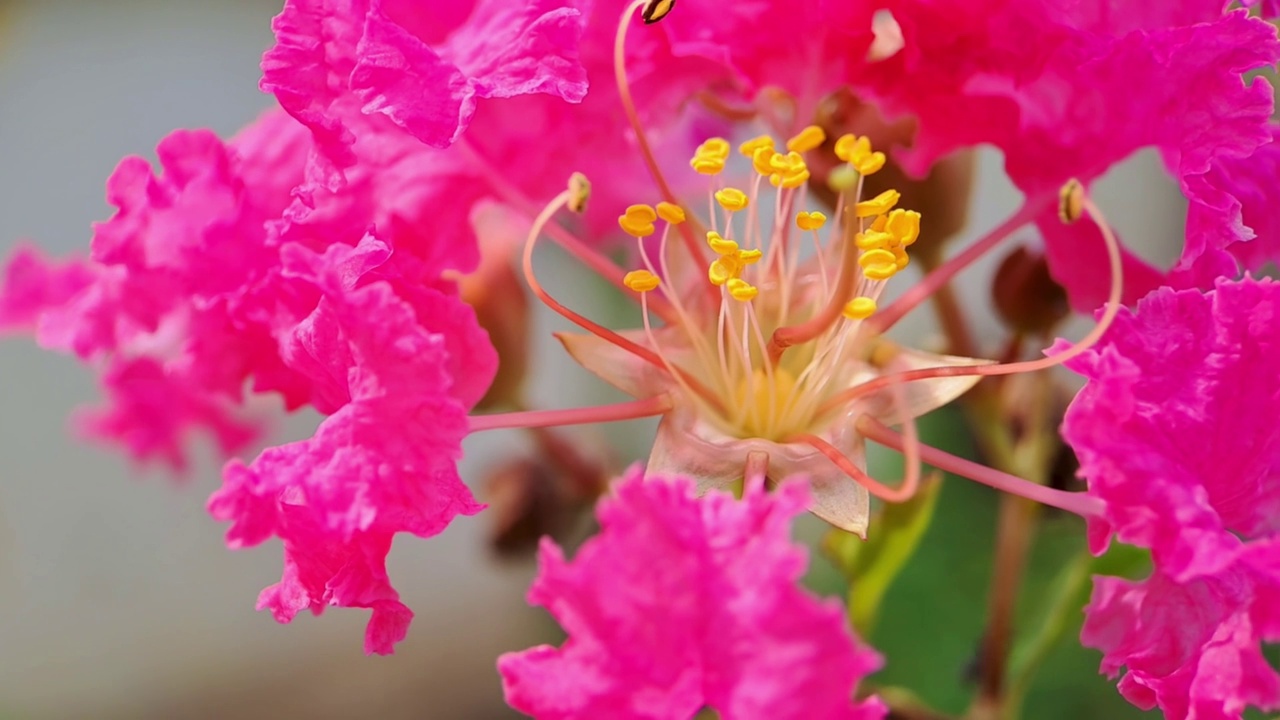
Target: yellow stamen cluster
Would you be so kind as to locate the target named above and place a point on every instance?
(884, 244)
(638, 220)
(731, 260)
(710, 156)
(788, 171)
(857, 152)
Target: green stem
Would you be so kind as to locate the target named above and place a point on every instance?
(1069, 595)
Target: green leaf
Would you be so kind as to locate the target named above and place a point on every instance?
(872, 566)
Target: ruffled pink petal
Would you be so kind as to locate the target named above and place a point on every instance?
(682, 602)
(33, 284)
(153, 413)
(1193, 649)
(336, 58)
(1059, 88)
(337, 498)
(1175, 428)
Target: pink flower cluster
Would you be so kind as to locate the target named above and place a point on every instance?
(1176, 434)
(681, 603)
(311, 257)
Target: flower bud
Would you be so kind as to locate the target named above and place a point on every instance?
(1026, 297)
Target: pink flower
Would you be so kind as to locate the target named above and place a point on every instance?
(422, 69)
(680, 603)
(1067, 92)
(384, 461)
(1175, 433)
(1175, 428)
(1193, 648)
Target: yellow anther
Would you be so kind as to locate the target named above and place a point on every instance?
(845, 144)
(637, 221)
(857, 152)
(720, 245)
(710, 156)
(870, 164)
(879, 224)
(880, 271)
(707, 165)
(723, 269)
(900, 257)
(807, 139)
(876, 257)
(741, 290)
(749, 257)
(762, 159)
(878, 205)
(789, 171)
(749, 147)
(579, 191)
(655, 10)
(731, 199)
(811, 220)
(716, 147)
(872, 240)
(671, 212)
(1071, 201)
(641, 280)
(904, 226)
(859, 308)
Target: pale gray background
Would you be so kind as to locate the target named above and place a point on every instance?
(117, 598)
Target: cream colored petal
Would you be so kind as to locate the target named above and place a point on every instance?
(687, 447)
(922, 396)
(624, 370)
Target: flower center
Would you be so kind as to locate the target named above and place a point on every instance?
(770, 320)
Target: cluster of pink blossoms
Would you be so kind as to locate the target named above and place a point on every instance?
(315, 256)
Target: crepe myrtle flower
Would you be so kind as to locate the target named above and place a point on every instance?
(765, 349)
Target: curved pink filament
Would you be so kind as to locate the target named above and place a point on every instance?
(628, 105)
(890, 315)
(647, 407)
(581, 251)
(594, 328)
(1099, 329)
(1079, 503)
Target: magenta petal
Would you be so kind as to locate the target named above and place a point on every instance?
(682, 602)
(1175, 429)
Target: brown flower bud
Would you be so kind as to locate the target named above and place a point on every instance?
(547, 494)
(1026, 297)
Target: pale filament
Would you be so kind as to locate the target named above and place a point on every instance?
(679, 375)
(910, 448)
(600, 331)
(668, 289)
(1109, 314)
